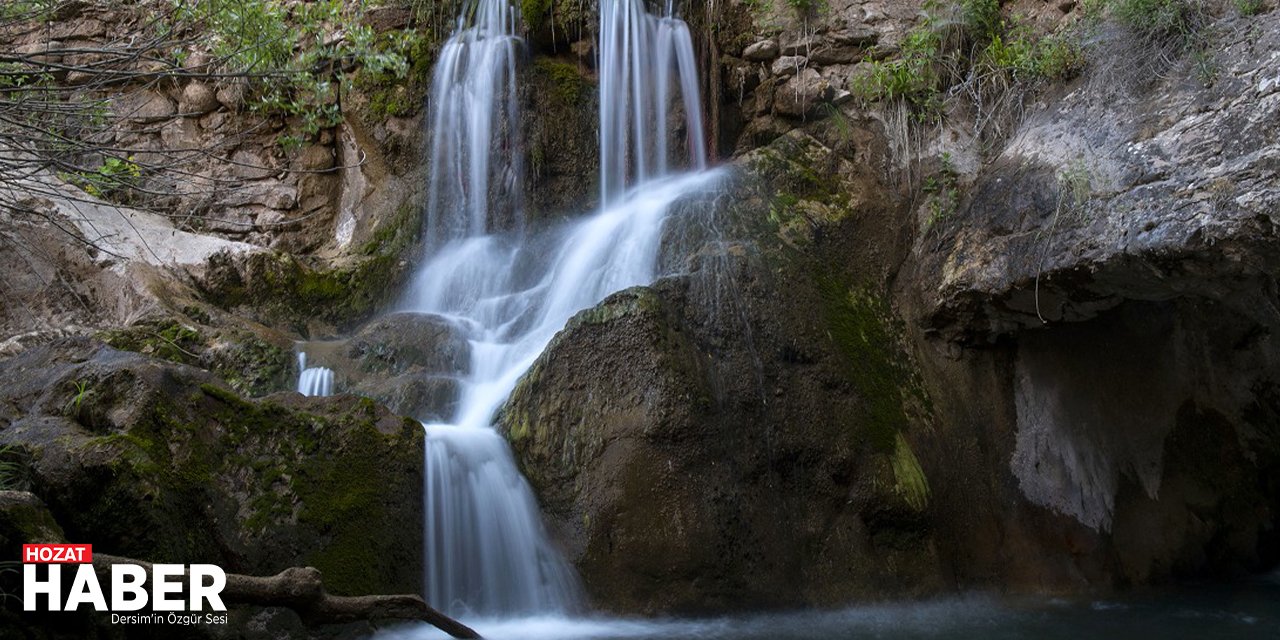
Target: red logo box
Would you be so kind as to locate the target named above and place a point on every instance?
(57, 553)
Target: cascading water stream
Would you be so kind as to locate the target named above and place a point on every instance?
(639, 53)
(314, 381)
(475, 164)
(486, 551)
(509, 291)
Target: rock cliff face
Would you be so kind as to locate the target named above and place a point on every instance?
(215, 183)
(1120, 253)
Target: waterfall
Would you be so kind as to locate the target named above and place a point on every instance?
(486, 551)
(485, 548)
(314, 381)
(639, 52)
(475, 163)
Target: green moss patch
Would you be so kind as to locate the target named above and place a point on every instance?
(251, 365)
(286, 289)
(862, 328)
(165, 339)
(565, 82)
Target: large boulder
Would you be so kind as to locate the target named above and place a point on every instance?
(740, 436)
(149, 459)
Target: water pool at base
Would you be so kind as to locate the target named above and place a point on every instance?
(1245, 610)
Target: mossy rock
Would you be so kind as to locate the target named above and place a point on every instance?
(164, 462)
(281, 288)
(566, 81)
(865, 334)
(773, 365)
(168, 339)
(249, 363)
(24, 519)
(562, 152)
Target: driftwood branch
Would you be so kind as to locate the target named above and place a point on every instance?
(301, 589)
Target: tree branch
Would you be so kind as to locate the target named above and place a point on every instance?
(301, 589)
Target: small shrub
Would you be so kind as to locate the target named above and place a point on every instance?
(1250, 7)
(534, 12)
(807, 7)
(982, 19)
(1075, 189)
(112, 180)
(942, 191)
(1162, 21)
(1022, 56)
(1058, 57)
(913, 77)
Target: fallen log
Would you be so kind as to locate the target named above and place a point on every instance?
(302, 589)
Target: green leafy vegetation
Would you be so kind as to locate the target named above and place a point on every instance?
(964, 43)
(1250, 7)
(967, 42)
(80, 389)
(942, 192)
(535, 12)
(912, 77)
(807, 7)
(26, 9)
(112, 181)
(301, 59)
(1162, 21)
(12, 470)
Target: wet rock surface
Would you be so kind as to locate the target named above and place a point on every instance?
(1090, 330)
